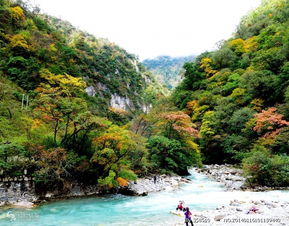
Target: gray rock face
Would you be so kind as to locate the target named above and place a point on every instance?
(134, 63)
(18, 192)
(22, 192)
(90, 91)
(124, 103)
(146, 108)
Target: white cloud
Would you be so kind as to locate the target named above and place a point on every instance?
(149, 28)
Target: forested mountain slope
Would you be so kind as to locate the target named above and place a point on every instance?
(238, 96)
(31, 43)
(167, 69)
(66, 98)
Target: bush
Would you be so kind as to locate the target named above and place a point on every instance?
(13, 160)
(169, 155)
(109, 181)
(263, 168)
(127, 174)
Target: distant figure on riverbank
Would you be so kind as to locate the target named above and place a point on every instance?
(253, 210)
(181, 206)
(155, 179)
(188, 216)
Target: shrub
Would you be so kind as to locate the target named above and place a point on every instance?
(13, 159)
(263, 168)
(169, 155)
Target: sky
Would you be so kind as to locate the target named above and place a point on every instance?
(150, 28)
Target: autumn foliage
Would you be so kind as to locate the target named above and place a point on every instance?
(180, 122)
(270, 122)
(122, 182)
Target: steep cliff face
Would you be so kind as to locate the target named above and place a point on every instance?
(115, 77)
(120, 102)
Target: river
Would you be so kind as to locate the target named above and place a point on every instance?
(201, 194)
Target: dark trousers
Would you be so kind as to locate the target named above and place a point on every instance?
(187, 220)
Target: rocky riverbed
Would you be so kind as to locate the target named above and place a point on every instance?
(237, 212)
(232, 178)
(275, 213)
(156, 183)
(22, 194)
(227, 174)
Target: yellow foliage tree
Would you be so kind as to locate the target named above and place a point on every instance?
(67, 83)
(237, 45)
(17, 13)
(250, 44)
(257, 104)
(241, 46)
(191, 106)
(206, 65)
(19, 41)
(238, 95)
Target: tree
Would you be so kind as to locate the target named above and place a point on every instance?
(269, 122)
(58, 103)
(260, 84)
(117, 149)
(170, 155)
(263, 168)
(178, 123)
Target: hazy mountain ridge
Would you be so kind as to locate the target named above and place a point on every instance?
(167, 68)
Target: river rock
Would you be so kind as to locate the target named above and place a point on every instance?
(219, 217)
(227, 174)
(143, 186)
(24, 204)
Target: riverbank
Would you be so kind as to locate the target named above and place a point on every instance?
(155, 183)
(229, 175)
(232, 178)
(238, 213)
(207, 199)
(22, 194)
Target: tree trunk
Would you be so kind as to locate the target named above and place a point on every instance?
(55, 131)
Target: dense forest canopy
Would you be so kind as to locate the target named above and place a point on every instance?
(72, 107)
(238, 96)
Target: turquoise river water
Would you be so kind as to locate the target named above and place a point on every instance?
(201, 194)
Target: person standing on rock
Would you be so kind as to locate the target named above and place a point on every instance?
(155, 179)
(188, 216)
